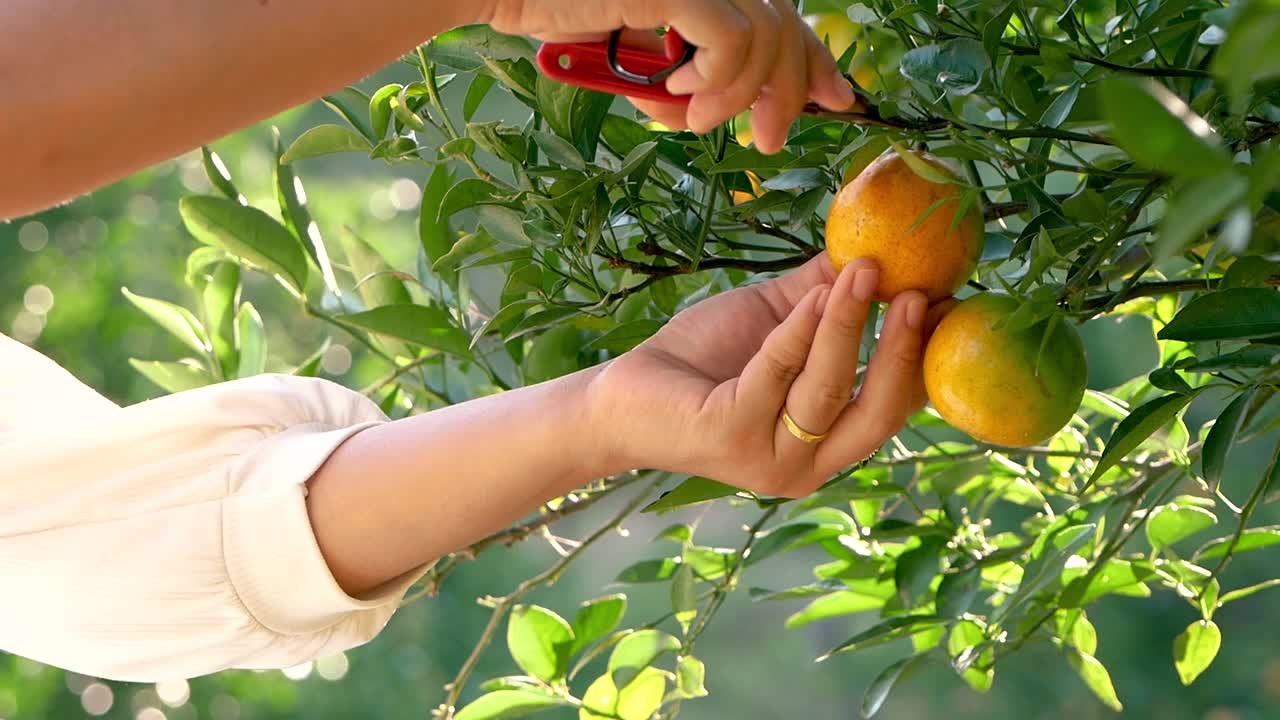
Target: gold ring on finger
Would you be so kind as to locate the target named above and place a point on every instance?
(798, 432)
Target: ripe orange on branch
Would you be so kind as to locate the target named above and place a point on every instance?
(1012, 387)
(908, 224)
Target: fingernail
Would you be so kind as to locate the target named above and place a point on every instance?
(820, 305)
(844, 90)
(916, 308)
(864, 283)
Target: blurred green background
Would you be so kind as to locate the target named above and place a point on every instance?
(61, 274)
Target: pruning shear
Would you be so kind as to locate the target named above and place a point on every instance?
(609, 67)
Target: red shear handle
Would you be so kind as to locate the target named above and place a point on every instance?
(608, 67)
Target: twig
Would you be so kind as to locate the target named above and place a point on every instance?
(730, 581)
(1160, 287)
(513, 535)
(505, 603)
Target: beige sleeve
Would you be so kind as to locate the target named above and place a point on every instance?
(171, 539)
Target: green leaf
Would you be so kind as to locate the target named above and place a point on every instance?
(915, 571)
(291, 199)
(247, 233)
(691, 677)
(1159, 130)
(405, 115)
(465, 194)
(647, 571)
(476, 92)
(1226, 315)
(218, 174)
(1247, 591)
(622, 135)
(380, 108)
(553, 354)
(325, 140)
(920, 166)
(175, 319)
(1245, 359)
(887, 631)
(957, 592)
(375, 284)
(1171, 523)
(861, 596)
(172, 376)
(638, 701)
(539, 641)
(1141, 424)
(637, 651)
(251, 339)
(353, 106)
(510, 704)
(220, 297)
(466, 247)
(1117, 576)
(691, 492)
(1060, 108)
(425, 325)
(574, 113)
(1251, 539)
(1195, 649)
(1195, 207)
(1096, 677)
(879, 689)
(504, 224)
(1046, 568)
(684, 597)
(466, 47)
(595, 619)
(1222, 436)
(993, 31)
(558, 150)
(626, 336)
(956, 66)
(1248, 56)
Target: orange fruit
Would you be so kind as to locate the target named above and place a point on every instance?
(996, 384)
(906, 223)
(743, 196)
(835, 29)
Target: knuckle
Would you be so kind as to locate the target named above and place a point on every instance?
(847, 324)
(832, 394)
(782, 366)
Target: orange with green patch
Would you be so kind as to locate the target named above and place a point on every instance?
(994, 383)
(908, 225)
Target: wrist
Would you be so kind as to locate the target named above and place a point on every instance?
(601, 450)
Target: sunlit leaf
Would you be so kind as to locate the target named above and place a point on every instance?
(595, 619)
(1141, 423)
(539, 641)
(510, 704)
(325, 140)
(1195, 649)
(878, 692)
(1096, 677)
(175, 319)
(1159, 129)
(248, 233)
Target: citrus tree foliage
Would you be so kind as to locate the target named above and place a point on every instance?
(1126, 157)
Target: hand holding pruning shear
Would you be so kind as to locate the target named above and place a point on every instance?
(756, 54)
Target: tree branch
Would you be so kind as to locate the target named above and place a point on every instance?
(505, 603)
(513, 535)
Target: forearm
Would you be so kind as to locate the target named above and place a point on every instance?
(92, 91)
(403, 494)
